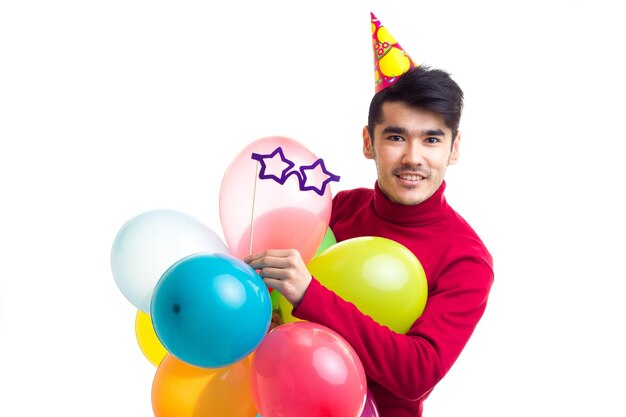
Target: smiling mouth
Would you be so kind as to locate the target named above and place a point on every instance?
(411, 177)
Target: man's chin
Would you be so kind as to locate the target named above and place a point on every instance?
(404, 194)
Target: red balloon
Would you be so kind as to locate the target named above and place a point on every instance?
(305, 369)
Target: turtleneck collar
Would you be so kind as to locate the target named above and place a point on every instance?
(428, 211)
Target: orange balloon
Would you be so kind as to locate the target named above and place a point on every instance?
(183, 390)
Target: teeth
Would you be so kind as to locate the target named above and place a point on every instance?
(411, 177)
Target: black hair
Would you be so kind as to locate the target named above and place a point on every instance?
(423, 87)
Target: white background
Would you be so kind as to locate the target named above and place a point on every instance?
(112, 108)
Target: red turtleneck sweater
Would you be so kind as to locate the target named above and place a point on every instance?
(402, 369)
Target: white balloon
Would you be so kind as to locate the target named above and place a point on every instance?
(148, 244)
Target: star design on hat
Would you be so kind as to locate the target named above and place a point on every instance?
(316, 167)
(273, 164)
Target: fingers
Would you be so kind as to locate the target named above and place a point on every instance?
(275, 253)
(276, 284)
(270, 262)
(274, 273)
(283, 270)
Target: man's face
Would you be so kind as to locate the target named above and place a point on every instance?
(411, 149)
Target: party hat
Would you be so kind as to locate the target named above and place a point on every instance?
(390, 60)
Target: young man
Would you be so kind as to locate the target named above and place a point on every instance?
(412, 136)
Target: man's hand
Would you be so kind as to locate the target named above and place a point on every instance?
(283, 270)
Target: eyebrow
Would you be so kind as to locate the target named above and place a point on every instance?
(395, 129)
(434, 132)
(403, 131)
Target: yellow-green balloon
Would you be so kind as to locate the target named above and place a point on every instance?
(274, 296)
(284, 309)
(381, 277)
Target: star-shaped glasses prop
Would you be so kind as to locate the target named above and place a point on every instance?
(269, 164)
(272, 162)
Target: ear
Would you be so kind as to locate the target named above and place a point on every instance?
(454, 155)
(368, 146)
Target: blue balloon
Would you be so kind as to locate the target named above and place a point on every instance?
(211, 310)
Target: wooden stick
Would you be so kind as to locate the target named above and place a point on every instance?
(256, 177)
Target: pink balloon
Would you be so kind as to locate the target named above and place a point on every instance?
(304, 369)
(370, 409)
(283, 185)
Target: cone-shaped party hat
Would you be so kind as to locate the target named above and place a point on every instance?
(390, 60)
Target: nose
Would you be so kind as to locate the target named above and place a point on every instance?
(413, 154)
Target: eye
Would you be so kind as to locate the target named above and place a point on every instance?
(395, 138)
(432, 140)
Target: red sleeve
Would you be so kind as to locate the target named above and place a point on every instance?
(409, 365)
